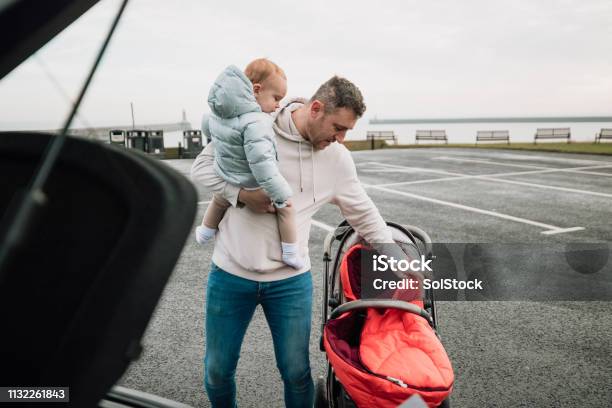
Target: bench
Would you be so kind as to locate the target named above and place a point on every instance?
(603, 134)
(493, 136)
(374, 135)
(439, 135)
(552, 133)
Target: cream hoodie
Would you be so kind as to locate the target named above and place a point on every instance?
(248, 244)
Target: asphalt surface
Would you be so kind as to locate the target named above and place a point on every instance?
(505, 353)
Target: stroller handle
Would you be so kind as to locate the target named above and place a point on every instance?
(327, 246)
(423, 237)
(343, 227)
(381, 304)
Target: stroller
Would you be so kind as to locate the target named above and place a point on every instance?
(380, 352)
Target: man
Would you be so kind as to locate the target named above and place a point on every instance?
(247, 269)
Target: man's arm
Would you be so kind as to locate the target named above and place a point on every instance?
(361, 213)
(356, 206)
(203, 174)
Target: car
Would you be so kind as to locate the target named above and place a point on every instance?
(89, 235)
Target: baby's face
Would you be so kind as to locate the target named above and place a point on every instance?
(270, 92)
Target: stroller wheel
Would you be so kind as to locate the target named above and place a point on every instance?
(445, 403)
(320, 394)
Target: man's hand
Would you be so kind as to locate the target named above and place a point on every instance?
(257, 200)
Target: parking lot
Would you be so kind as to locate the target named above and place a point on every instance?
(506, 354)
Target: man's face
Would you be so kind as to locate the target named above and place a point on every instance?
(327, 128)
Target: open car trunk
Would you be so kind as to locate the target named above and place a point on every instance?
(75, 304)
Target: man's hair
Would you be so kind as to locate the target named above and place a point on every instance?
(339, 92)
(260, 69)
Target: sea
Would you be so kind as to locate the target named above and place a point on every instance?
(522, 130)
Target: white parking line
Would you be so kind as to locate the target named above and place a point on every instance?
(525, 157)
(425, 181)
(322, 225)
(548, 187)
(391, 168)
(577, 170)
(594, 173)
(446, 158)
(543, 168)
(460, 177)
(491, 177)
(549, 229)
(562, 230)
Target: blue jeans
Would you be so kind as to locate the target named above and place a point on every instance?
(230, 304)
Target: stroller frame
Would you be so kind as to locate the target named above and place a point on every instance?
(329, 392)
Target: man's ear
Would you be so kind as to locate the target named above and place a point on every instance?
(256, 89)
(316, 108)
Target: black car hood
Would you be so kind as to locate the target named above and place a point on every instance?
(27, 25)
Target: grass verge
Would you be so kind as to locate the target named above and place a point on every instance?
(582, 147)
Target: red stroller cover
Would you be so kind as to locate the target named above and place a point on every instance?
(394, 355)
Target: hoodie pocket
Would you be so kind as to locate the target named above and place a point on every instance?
(251, 240)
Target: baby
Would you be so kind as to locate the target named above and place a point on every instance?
(245, 148)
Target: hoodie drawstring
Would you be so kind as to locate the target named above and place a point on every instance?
(300, 153)
(314, 191)
(294, 131)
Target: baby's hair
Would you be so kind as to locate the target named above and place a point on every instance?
(260, 69)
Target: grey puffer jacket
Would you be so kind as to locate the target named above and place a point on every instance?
(245, 145)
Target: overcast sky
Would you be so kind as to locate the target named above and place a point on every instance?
(411, 59)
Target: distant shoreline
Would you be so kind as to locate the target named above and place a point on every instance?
(532, 119)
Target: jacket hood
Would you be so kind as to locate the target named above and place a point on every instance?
(232, 94)
(283, 124)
